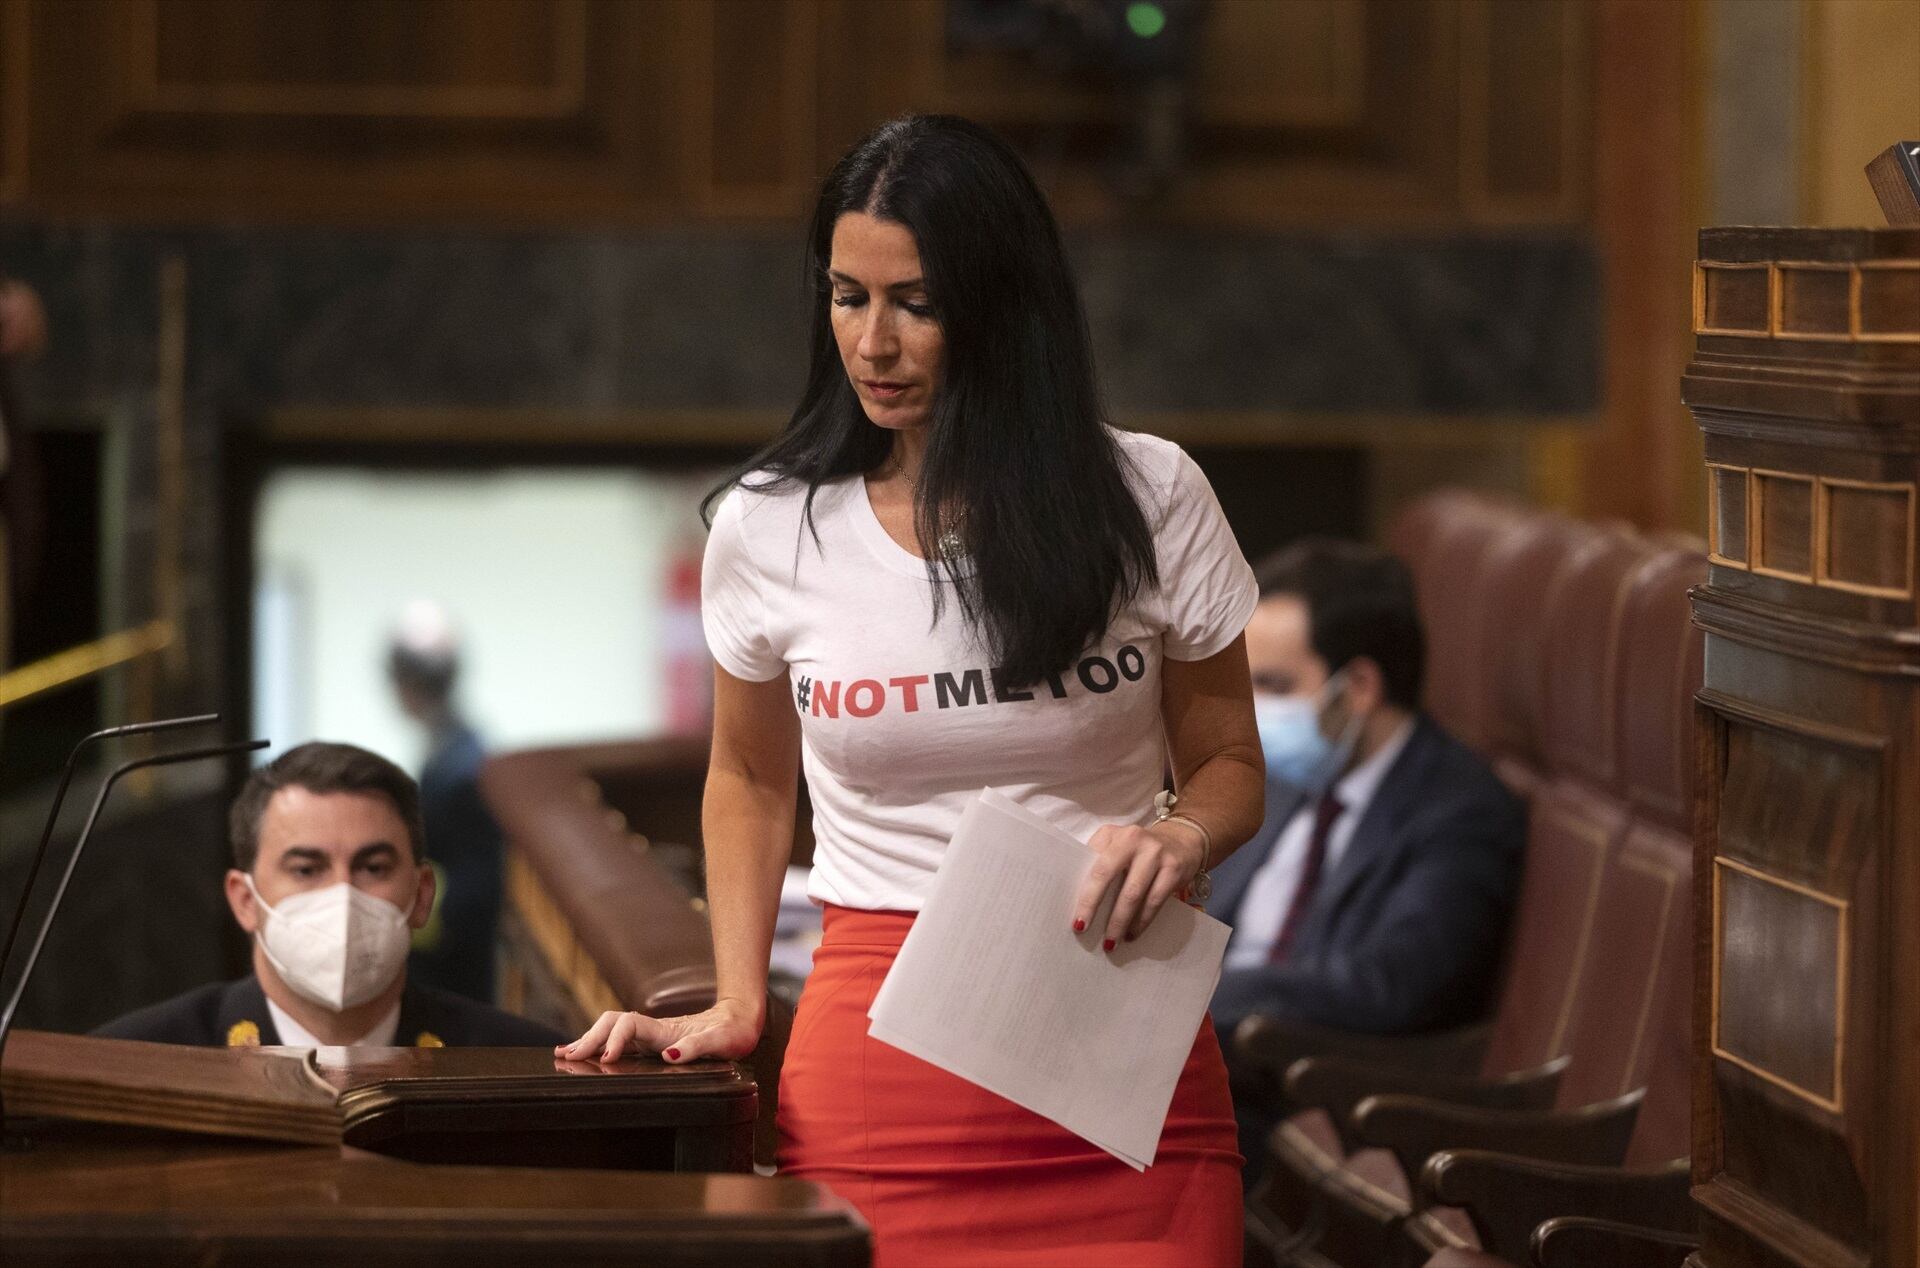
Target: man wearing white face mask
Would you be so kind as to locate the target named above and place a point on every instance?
(330, 879)
(1375, 897)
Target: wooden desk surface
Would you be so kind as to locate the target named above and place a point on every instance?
(634, 1091)
(270, 1093)
(82, 1192)
(505, 1106)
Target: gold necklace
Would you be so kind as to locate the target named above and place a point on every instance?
(950, 543)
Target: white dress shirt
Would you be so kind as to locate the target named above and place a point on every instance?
(294, 1035)
(1270, 893)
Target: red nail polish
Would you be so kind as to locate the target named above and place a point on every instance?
(1079, 926)
(673, 1054)
(1107, 945)
(1131, 936)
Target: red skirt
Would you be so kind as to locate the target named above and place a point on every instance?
(948, 1173)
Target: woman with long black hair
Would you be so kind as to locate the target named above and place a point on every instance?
(948, 573)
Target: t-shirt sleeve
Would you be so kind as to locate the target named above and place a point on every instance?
(732, 610)
(1207, 589)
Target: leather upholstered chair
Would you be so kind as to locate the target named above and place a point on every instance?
(1468, 554)
(1628, 1044)
(1524, 583)
(1359, 1199)
(1449, 542)
(1644, 1215)
(1592, 1013)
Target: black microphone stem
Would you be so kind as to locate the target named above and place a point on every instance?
(73, 859)
(60, 797)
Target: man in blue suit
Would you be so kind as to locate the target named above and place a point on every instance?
(1376, 895)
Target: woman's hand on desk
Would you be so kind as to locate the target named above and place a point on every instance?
(728, 1031)
(1149, 864)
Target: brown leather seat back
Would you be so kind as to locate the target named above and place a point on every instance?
(1448, 541)
(1560, 636)
(1580, 673)
(1571, 835)
(1665, 1053)
(1418, 528)
(1619, 1014)
(1565, 653)
(1624, 731)
(1525, 582)
(1659, 675)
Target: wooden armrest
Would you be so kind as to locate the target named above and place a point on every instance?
(1336, 1085)
(766, 1061)
(1507, 1197)
(1577, 1242)
(675, 992)
(1416, 1128)
(1272, 1044)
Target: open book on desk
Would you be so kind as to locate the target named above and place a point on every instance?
(993, 985)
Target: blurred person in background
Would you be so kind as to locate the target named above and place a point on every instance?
(1375, 896)
(455, 949)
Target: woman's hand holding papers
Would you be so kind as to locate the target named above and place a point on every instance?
(1149, 864)
(728, 1031)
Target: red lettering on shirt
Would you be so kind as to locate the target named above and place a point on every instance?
(909, 691)
(967, 688)
(875, 693)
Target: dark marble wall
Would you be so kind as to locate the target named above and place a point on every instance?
(1339, 324)
(1323, 323)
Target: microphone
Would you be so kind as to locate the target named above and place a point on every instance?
(60, 796)
(93, 816)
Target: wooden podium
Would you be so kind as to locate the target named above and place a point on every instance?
(88, 1194)
(504, 1106)
(1806, 384)
(154, 1153)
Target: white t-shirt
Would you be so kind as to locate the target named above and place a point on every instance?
(902, 722)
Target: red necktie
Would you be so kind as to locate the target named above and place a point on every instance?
(1324, 817)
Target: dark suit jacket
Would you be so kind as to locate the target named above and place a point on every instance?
(234, 1015)
(464, 845)
(1405, 933)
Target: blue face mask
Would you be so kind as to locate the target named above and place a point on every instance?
(1298, 753)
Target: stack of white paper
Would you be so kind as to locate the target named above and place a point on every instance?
(993, 985)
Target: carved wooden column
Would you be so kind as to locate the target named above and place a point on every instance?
(1806, 382)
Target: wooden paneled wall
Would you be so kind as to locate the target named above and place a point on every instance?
(347, 108)
(1312, 110)
(1429, 116)
(1302, 111)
